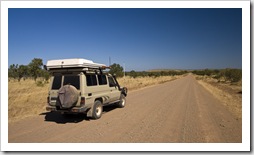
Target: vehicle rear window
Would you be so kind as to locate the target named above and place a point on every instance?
(102, 79)
(72, 80)
(91, 80)
(57, 82)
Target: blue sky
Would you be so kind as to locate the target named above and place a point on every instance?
(142, 39)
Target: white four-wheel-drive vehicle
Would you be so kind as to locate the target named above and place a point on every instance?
(82, 86)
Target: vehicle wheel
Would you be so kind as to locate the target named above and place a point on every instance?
(97, 110)
(122, 101)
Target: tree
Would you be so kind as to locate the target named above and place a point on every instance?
(35, 67)
(133, 74)
(17, 71)
(12, 71)
(116, 69)
(22, 71)
(45, 74)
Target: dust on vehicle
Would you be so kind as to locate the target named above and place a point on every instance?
(82, 86)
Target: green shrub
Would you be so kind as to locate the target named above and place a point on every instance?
(40, 83)
(116, 70)
(233, 75)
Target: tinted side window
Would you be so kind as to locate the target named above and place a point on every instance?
(57, 82)
(72, 80)
(102, 79)
(91, 80)
(111, 82)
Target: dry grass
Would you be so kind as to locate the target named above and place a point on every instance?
(141, 82)
(229, 94)
(26, 98)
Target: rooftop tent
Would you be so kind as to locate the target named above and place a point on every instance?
(73, 63)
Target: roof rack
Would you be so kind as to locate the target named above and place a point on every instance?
(74, 64)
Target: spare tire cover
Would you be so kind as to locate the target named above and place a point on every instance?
(68, 96)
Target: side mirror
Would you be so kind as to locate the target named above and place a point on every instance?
(45, 67)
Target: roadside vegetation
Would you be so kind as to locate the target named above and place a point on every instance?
(157, 73)
(141, 82)
(26, 98)
(225, 85)
(227, 75)
(33, 70)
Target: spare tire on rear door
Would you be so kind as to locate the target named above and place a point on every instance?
(67, 96)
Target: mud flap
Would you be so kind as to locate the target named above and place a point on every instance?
(90, 112)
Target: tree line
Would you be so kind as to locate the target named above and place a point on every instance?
(117, 70)
(135, 74)
(228, 74)
(33, 70)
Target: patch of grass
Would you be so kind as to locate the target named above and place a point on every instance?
(40, 83)
(25, 99)
(140, 82)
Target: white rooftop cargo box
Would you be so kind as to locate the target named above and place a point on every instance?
(73, 63)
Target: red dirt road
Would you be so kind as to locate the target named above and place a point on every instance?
(179, 111)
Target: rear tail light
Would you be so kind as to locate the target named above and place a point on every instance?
(82, 101)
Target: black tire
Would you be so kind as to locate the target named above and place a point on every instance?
(97, 110)
(122, 101)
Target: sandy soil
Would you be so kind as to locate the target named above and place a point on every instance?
(179, 111)
(230, 95)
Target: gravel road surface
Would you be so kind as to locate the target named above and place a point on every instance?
(180, 111)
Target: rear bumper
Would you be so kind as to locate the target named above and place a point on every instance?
(73, 110)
